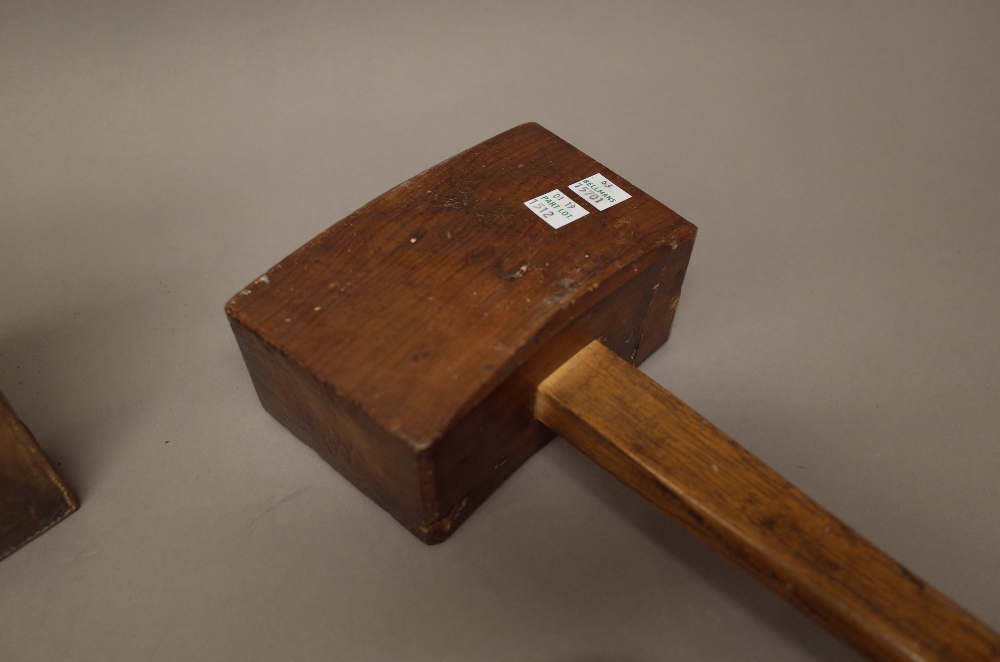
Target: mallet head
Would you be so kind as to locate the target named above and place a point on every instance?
(404, 343)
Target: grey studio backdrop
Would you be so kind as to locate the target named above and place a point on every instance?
(840, 316)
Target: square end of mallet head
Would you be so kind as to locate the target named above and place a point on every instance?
(33, 498)
(405, 342)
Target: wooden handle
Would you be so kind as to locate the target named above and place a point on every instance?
(693, 472)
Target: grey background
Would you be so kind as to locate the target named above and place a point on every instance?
(839, 318)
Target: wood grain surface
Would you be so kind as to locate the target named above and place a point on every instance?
(33, 498)
(404, 343)
(693, 472)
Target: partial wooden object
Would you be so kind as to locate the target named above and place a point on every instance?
(402, 343)
(33, 498)
(693, 472)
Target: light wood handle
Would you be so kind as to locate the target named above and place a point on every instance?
(693, 472)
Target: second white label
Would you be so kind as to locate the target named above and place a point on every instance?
(599, 191)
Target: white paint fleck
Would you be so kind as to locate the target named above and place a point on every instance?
(673, 245)
(264, 279)
(413, 240)
(317, 309)
(245, 292)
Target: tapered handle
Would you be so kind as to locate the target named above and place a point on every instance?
(693, 472)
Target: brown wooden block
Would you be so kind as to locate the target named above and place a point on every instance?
(33, 498)
(404, 343)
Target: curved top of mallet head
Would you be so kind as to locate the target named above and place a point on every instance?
(420, 303)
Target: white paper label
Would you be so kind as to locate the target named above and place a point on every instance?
(556, 208)
(599, 191)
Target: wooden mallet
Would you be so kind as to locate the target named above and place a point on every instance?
(430, 342)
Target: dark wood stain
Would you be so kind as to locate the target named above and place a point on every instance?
(404, 343)
(33, 498)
